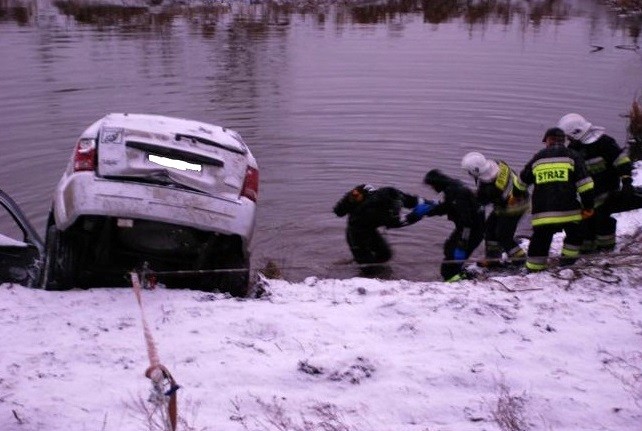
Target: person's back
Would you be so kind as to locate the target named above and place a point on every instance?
(368, 209)
(558, 175)
(554, 171)
(605, 161)
(459, 203)
(381, 208)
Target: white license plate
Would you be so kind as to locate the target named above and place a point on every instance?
(181, 165)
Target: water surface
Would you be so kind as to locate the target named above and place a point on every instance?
(327, 98)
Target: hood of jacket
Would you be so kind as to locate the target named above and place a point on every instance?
(440, 181)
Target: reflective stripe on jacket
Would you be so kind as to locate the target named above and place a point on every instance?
(558, 176)
(500, 191)
(606, 162)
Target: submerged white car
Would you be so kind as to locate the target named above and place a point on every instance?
(173, 195)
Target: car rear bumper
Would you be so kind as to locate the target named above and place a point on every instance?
(83, 194)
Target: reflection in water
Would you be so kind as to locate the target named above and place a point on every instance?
(135, 18)
(16, 11)
(327, 96)
(473, 13)
(100, 14)
(159, 15)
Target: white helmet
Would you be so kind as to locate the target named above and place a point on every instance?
(479, 167)
(576, 127)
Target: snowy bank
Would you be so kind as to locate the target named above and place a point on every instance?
(559, 350)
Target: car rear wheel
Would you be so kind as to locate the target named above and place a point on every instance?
(227, 267)
(61, 260)
(237, 280)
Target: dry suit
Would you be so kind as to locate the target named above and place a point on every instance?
(369, 209)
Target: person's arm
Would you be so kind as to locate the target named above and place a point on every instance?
(423, 208)
(584, 184)
(343, 206)
(620, 160)
(525, 178)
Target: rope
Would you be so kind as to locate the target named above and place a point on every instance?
(164, 386)
(150, 275)
(422, 262)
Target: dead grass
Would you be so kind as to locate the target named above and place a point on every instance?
(627, 368)
(152, 417)
(273, 416)
(509, 411)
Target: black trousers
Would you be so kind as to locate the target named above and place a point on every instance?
(500, 235)
(368, 245)
(450, 269)
(540, 244)
(599, 231)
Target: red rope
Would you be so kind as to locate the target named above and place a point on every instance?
(157, 372)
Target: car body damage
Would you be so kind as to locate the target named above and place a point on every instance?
(175, 196)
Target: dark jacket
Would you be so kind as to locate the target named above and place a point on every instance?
(606, 163)
(501, 193)
(558, 176)
(459, 203)
(379, 207)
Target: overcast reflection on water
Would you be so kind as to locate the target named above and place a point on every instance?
(327, 97)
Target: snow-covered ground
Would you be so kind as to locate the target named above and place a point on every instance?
(560, 350)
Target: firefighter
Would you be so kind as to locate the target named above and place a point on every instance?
(460, 205)
(495, 186)
(558, 175)
(610, 167)
(368, 209)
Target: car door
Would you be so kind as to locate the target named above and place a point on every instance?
(21, 248)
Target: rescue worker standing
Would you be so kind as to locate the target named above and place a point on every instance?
(609, 165)
(558, 176)
(368, 209)
(460, 205)
(495, 182)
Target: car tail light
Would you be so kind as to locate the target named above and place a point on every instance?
(251, 184)
(85, 155)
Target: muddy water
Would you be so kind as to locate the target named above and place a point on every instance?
(327, 98)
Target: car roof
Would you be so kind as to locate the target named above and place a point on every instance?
(172, 126)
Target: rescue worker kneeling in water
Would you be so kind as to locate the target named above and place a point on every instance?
(558, 176)
(368, 209)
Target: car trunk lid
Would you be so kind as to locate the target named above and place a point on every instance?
(185, 153)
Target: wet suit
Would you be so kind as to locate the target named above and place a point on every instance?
(368, 209)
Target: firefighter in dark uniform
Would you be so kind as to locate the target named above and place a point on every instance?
(495, 182)
(368, 209)
(558, 176)
(609, 166)
(460, 205)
